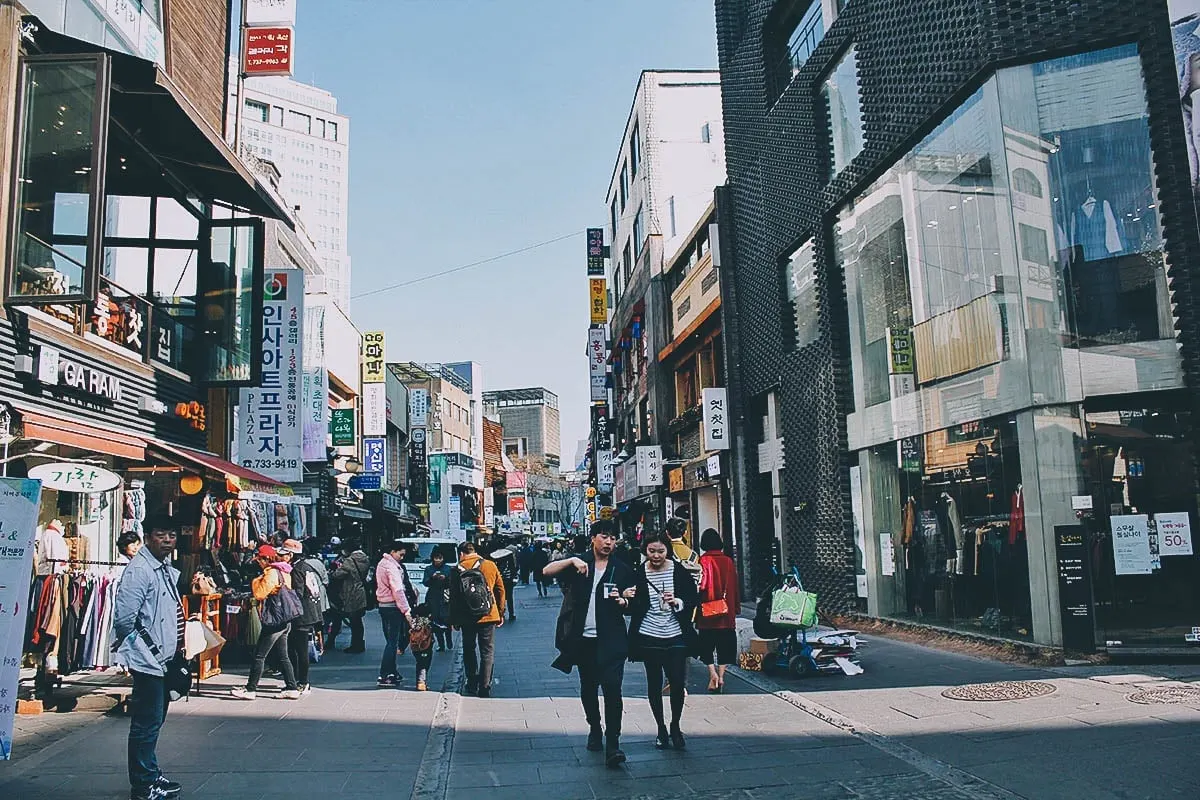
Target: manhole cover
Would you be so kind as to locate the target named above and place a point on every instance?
(1167, 696)
(1004, 690)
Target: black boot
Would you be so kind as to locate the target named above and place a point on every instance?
(613, 755)
(595, 739)
(677, 737)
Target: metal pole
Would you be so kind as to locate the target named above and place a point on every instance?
(241, 84)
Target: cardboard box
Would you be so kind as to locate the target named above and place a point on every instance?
(764, 646)
(751, 662)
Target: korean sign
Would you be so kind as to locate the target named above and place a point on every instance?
(19, 500)
(1131, 545)
(375, 457)
(270, 12)
(604, 470)
(342, 427)
(716, 419)
(418, 477)
(271, 435)
(1174, 533)
(597, 351)
(267, 51)
(374, 409)
(418, 407)
(316, 385)
(595, 251)
(649, 466)
(598, 299)
(373, 361)
(78, 478)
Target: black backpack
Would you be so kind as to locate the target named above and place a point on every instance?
(474, 594)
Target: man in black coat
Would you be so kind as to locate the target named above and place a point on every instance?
(591, 634)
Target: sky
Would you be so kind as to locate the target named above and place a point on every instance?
(481, 127)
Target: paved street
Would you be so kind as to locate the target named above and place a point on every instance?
(888, 733)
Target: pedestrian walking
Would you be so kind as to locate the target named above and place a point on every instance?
(421, 642)
(148, 622)
(591, 634)
(477, 602)
(539, 560)
(720, 604)
(663, 635)
(395, 611)
(525, 557)
(307, 583)
(350, 575)
(437, 598)
(280, 607)
(505, 559)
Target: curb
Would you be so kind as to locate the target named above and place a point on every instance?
(433, 777)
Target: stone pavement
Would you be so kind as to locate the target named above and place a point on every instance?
(886, 734)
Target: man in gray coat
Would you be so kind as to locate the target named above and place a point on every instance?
(148, 626)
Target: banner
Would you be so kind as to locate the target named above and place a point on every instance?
(315, 390)
(374, 409)
(270, 415)
(375, 457)
(374, 362)
(598, 363)
(418, 407)
(598, 300)
(19, 498)
(716, 419)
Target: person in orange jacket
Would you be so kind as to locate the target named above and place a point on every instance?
(477, 605)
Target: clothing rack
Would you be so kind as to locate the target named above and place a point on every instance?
(985, 519)
(85, 561)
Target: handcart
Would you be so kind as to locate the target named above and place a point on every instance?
(804, 649)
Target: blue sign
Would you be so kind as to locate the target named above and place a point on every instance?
(374, 456)
(366, 483)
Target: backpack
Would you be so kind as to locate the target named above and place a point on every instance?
(475, 596)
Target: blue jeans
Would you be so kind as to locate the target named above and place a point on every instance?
(147, 712)
(394, 626)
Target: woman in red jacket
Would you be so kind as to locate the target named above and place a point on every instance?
(719, 607)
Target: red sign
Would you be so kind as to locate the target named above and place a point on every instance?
(516, 503)
(267, 51)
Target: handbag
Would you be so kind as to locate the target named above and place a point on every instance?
(714, 608)
(793, 607)
(282, 607)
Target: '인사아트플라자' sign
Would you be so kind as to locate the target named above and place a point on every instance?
(19, 498)
(271, 420)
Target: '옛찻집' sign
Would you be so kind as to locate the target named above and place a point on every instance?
(19, 498)
(271, 420)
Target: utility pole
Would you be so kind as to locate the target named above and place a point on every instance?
(241, 83)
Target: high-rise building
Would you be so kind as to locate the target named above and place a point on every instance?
(531, 423)
(298, 128)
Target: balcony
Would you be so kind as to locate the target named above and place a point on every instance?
(694, 295)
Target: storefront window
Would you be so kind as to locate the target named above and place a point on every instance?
(844, 105)
(59, 159)
(800, 284)
(230, 308)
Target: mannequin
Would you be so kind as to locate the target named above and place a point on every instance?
(52, 550)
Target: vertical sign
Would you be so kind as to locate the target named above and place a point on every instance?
(901, 366)
(454, 516)
(19, 498)
(1076, 608)
(489, 506)
(316, 385)
(604, 470)
(418, 468)
(649, 466)
(267, 51)
(418, 407)
(1131, 544)
(598, 294)
(341, 427)
(595, 251)
(619, 482)
(373, 361)
(716, 419)
(270, 415)
(374, 380)
(598, 362)
(375, 457)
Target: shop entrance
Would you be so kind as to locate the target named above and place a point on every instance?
(1147, 575)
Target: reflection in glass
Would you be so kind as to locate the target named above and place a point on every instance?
(800, 279)
(226, 292)
(844, 105)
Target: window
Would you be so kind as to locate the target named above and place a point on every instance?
(635, 150)
(796, 32)
(1033, 244)
(671, 214)
(301, 123)
(257, 112)
(614, 220)
(800, 284)
(1026, 182)
(624, 185)
(638, 232)
(844, 107)
(231, 310)
(331, 131)
(627, 260)
(321, 128)
(277, 116)
(706, 133)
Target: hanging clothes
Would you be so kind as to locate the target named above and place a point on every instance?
(134, 514)
(1094, 229)
(1016, 516)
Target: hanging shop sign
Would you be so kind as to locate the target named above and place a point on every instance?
(713, 465)
(604, 470)
(716, 419)
(373, 360)
(595, 251)
(619, 482)
(270, 12)
(454, 514)
(1174, 533)
(418, 407)
(315, 389)
(342, 427)
(598, 300)
(1076, 608)
(77, 478)
(374, 409)
(393, 502)
(19, 499)
(366, 483)
(598, 362)
(649, 465)
(375, 457)
(600, 431)
(418, 469)
(267, 51)
(516, 502)
(675, 480)
(270, 416)
(1131, 544)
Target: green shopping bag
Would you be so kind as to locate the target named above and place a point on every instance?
(793, 607)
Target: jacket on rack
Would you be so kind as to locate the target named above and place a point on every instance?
(147, 605)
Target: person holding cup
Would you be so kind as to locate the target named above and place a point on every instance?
(664, 603)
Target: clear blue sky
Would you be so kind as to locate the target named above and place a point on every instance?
(479, 127)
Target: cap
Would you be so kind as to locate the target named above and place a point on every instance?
(335, 541)
(292, 546)
(266, 551)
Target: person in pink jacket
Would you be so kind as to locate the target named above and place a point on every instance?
(391, 590)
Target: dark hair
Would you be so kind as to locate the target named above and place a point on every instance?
(126, 539)
(711, 540)
(311, 546)
(466, 548)
(603, 528)
(676, 527)
(437, 553)
(658, 537)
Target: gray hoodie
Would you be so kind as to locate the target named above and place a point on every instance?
(147, 601)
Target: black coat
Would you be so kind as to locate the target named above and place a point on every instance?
(611, 634)
(685, 590)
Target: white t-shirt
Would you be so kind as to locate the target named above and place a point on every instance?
(589, 621)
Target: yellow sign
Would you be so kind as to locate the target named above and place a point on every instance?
(606, 512)
(591, 492)
(675, 480)
(373, 362)
(599, 299)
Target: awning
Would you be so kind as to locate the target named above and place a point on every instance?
(44, 428)
(187, 457)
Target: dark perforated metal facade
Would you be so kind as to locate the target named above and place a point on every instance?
(916, 61)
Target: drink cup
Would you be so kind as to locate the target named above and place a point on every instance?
(610, 590)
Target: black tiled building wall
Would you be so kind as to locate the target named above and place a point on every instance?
(916, 62)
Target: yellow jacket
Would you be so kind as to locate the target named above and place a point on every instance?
(269, 582)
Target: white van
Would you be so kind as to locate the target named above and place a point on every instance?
(420, 555)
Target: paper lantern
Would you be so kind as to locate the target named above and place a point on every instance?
(191, 484)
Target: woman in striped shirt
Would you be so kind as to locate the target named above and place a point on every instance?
(663, 634)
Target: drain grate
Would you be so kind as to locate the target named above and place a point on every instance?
(1166, 696)
(1002, 690)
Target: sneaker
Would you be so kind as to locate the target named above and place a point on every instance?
(167, 787)
(306, 689)
(421, 687)
(388, 682)
(151, 792)
(242, 693)
(289, 694)
(485, 692)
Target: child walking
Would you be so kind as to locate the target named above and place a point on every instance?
(420, 640)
